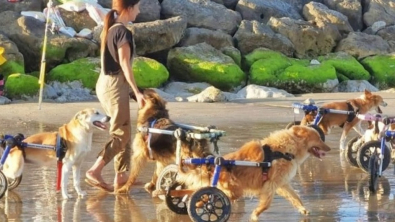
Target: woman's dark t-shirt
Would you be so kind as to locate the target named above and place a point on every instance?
(117, 35)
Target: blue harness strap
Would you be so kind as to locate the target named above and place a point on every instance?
(60, 148)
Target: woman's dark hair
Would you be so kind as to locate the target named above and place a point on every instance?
(118, 7)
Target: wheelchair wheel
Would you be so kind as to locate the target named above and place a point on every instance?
(294, 123)
(176, 204)
(365, 152)
(3, 184)
(319, 130)
(351, 151)
(14, 183)
(373, 168)
(209, 204)
(166, 178)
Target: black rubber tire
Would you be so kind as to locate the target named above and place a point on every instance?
(3, 184)
(319, 130)
(176, 204)
(294, 123)
(373, 168)
(365, 152)
(166, 178)
(350, 154)
(214, 204)
(14, 183)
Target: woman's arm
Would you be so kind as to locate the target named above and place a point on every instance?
(124, 61)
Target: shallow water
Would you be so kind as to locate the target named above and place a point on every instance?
(331, 189)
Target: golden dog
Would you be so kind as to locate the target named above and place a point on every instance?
(235, 181)
(361, 105)
(161, 148)
(77, 141)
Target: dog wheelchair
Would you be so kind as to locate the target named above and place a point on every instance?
(184, 132)
(314, 114)
(7, 142)
(373, 157)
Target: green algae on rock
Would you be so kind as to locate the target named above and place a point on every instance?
(382, 70)
(18, 85)
(149, 73)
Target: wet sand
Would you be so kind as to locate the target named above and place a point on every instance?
(331, 189)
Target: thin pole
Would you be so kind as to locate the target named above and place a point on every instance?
(43, 62)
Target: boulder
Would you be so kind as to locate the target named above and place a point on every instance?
(26, 5)
(149, 73)
(217, 39)
(361, 45)
(252, 35)
(352, 9)
(387, 33)
(15, 62)
(346, 66)
(149, 11)
(182, 89)
(355, 86)
(204, 63)
(259, 92)
(233, 53)
(293, 75)
(4, 100)
(262, 11)
(20, 85)
(77, 20)
(382, 70)
(379, 10)
(159, 35)
(202, 14)
(322, 15)
(308, 40)
(208, 95)
(260, 53)
(85, 70)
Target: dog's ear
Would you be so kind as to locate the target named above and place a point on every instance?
(367, 93)
(80, 116)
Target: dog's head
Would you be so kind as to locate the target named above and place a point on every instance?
(310, 139)
(154, 108)
(91, 118)
(374, 101)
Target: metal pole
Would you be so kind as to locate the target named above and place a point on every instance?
(43, 62)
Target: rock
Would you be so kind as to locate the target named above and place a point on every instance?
(258, 92)
(352, 9)
(209, 95)
(183, 90)
(262, 11)
(387, 33)
(204, 63)
(15, 62)
(149, 73)
(202, 14)
(379, 10)
(50, 92)
(159, 35)
(260, 53)
(233, 53)
(377, 26)
(105, 3)
(217, 39)
(294, 75)
(77, 20)
(347, 67)
(322, 15)
(308, 40)
(314, 62)
(166, 96)
(85, 70)
(4, 100)
(361, 45)
(69, 92)
(18, 85)
(382, 69)
(355, 86)
(149, 11)
(252, 34)
(26, 5)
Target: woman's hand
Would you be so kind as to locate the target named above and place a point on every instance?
(140, 100)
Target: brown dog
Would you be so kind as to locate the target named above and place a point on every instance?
(361, 105)
(158, 147)
(299, 142)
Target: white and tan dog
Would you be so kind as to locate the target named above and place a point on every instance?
(77, 140)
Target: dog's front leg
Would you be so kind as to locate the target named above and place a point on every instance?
(265, 199)
(65, 179)
(288, 193)
(358, 129)
(77, 179)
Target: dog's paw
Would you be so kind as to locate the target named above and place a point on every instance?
(149, 187)
(304, 211)
(122, 190)
(253, 218)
